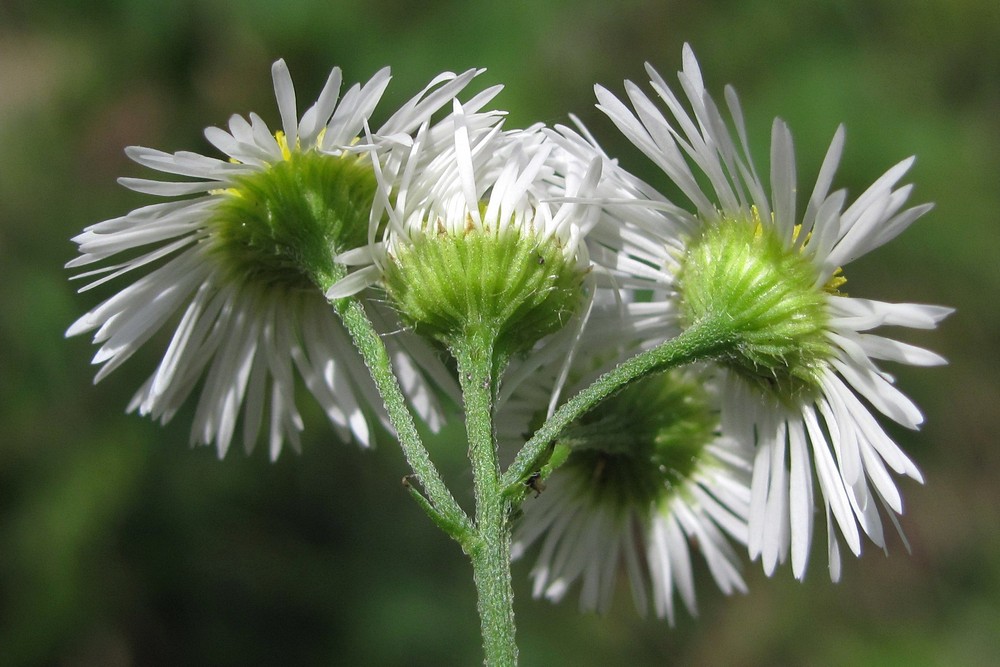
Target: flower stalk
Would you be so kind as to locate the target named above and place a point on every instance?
(490, 553)
(702, 340)
(442, 507)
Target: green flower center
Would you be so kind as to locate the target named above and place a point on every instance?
(741, 276)
(281, 228)
(638, 448)
(512, 284)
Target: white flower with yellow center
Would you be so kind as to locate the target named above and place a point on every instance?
(800, 363)
(238, 266)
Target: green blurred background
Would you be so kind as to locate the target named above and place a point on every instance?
(119, 545)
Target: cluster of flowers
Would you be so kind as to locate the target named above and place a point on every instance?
(579, 264)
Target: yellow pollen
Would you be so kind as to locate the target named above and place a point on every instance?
(286, 155)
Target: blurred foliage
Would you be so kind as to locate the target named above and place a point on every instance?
(120, 546)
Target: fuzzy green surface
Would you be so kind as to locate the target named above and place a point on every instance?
(740, 274)
(281, 227)
(639, 446)
(447, 285)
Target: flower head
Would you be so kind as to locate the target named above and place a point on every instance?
(478, 234)
(240, 262)
(647, 480)
(800, 375)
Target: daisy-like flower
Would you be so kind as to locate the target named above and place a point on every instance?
(477, 234)
(647, 481)
(238, 263)
(801, 380)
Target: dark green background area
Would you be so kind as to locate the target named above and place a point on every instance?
(121, 546)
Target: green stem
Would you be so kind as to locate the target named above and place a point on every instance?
(699, 341)
(490, 554)
(449, 515)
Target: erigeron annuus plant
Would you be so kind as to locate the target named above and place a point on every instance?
(715, 370)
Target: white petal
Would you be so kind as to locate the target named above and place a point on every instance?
(878, 347)
(800, 499)
(319, 113)
(353, 283)
(864, 314)
(880, 393)
(832, 485)
(165, 189)
(823, 182)
(284, 93)
(783, 180)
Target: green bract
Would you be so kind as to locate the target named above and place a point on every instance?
(513, 284)
(638, 447)
(282, 227)
(740, 275)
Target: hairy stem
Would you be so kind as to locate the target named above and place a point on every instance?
(490, 554)
(700, 341)
(449, 515)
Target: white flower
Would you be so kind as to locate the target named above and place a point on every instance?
(648, 481)
(817, 417)
(238, 264)
(478, 228)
